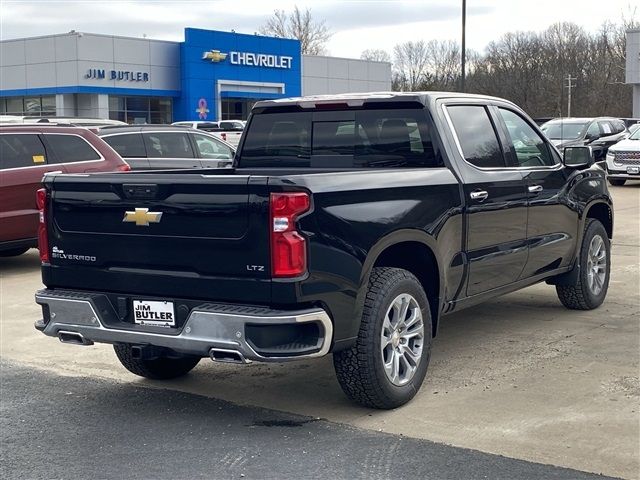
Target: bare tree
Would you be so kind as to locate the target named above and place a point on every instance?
(313, 35)
(375, 55)
(411, 60)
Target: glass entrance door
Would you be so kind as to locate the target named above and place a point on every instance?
(236, 108)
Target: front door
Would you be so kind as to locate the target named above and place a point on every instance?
(552, 224)
(496, 199)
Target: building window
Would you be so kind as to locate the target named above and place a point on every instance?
(33, 106)
(236, 108)
(140, 110)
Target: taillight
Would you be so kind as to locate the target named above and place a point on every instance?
(124, 168)
(288, 247)
(224, 136)
(43, 237)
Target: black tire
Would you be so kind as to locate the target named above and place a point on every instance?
(617, 182)
(580, 296)
(14, 252)
(162, 368)
(360, 369)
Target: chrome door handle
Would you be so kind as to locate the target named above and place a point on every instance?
(479, 196)
(535, 188)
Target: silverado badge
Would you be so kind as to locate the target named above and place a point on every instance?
(142, 217)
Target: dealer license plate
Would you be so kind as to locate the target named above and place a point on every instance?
(633, 169)
(153, 313)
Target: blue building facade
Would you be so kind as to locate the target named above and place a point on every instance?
(223, 73)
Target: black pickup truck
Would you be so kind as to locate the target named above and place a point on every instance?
(348, 224)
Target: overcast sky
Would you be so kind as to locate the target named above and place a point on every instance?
(356, 25)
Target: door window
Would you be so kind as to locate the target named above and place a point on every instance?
(593, 130)
(168, 145)
(476, 135)
(71, 148)
(127, 146)
(21, 151)
(210, 148)
(529, 147)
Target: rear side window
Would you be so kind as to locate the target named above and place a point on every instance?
(21, 151)
(127, 146)
(71, 148)
(209, 147)
(168, 145)
(606, 128)
(355, 138)
(476, 135)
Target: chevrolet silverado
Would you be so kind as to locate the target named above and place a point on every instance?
(349, 224)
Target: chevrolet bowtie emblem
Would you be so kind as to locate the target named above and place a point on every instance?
(214, 56)
(142, 217)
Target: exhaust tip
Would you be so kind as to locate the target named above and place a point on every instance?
(227, 356)
(73, 338)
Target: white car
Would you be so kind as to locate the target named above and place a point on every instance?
(623, 160)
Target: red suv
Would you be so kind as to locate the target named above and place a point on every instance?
(27, 152)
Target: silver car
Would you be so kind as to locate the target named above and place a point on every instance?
(157, 147)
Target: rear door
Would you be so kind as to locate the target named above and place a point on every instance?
(23, 162)
(170, 149)
(496, 212)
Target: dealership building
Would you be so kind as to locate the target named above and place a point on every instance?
(633, 67)
(211, 75)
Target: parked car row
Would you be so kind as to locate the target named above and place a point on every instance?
(613, 141)
(27, 152)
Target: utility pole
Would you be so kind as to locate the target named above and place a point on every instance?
(464, 47)
(569, 86)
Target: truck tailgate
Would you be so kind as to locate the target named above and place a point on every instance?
(182, 234)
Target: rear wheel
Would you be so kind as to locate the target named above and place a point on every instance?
(160, 368)
(14, 252)
(590, 288)
(617, 182)
(388, 363)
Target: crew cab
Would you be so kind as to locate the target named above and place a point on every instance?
(349, 224)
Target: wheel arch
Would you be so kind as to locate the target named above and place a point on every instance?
(601, 211)
(414, 251)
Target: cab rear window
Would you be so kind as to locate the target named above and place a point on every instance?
(352, 138)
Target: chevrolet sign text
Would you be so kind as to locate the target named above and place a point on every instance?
(260, 60)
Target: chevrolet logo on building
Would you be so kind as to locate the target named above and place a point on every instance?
(214, 56)
(142, 217)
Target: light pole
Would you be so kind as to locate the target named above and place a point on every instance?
(464, 47)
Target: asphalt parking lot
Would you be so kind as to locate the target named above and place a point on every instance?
(519, 376)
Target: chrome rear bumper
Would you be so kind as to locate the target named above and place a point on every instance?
(77, 317)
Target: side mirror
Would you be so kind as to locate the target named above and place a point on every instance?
(590, 137)
(577, 157)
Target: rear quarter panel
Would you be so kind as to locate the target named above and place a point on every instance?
(353, 213)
